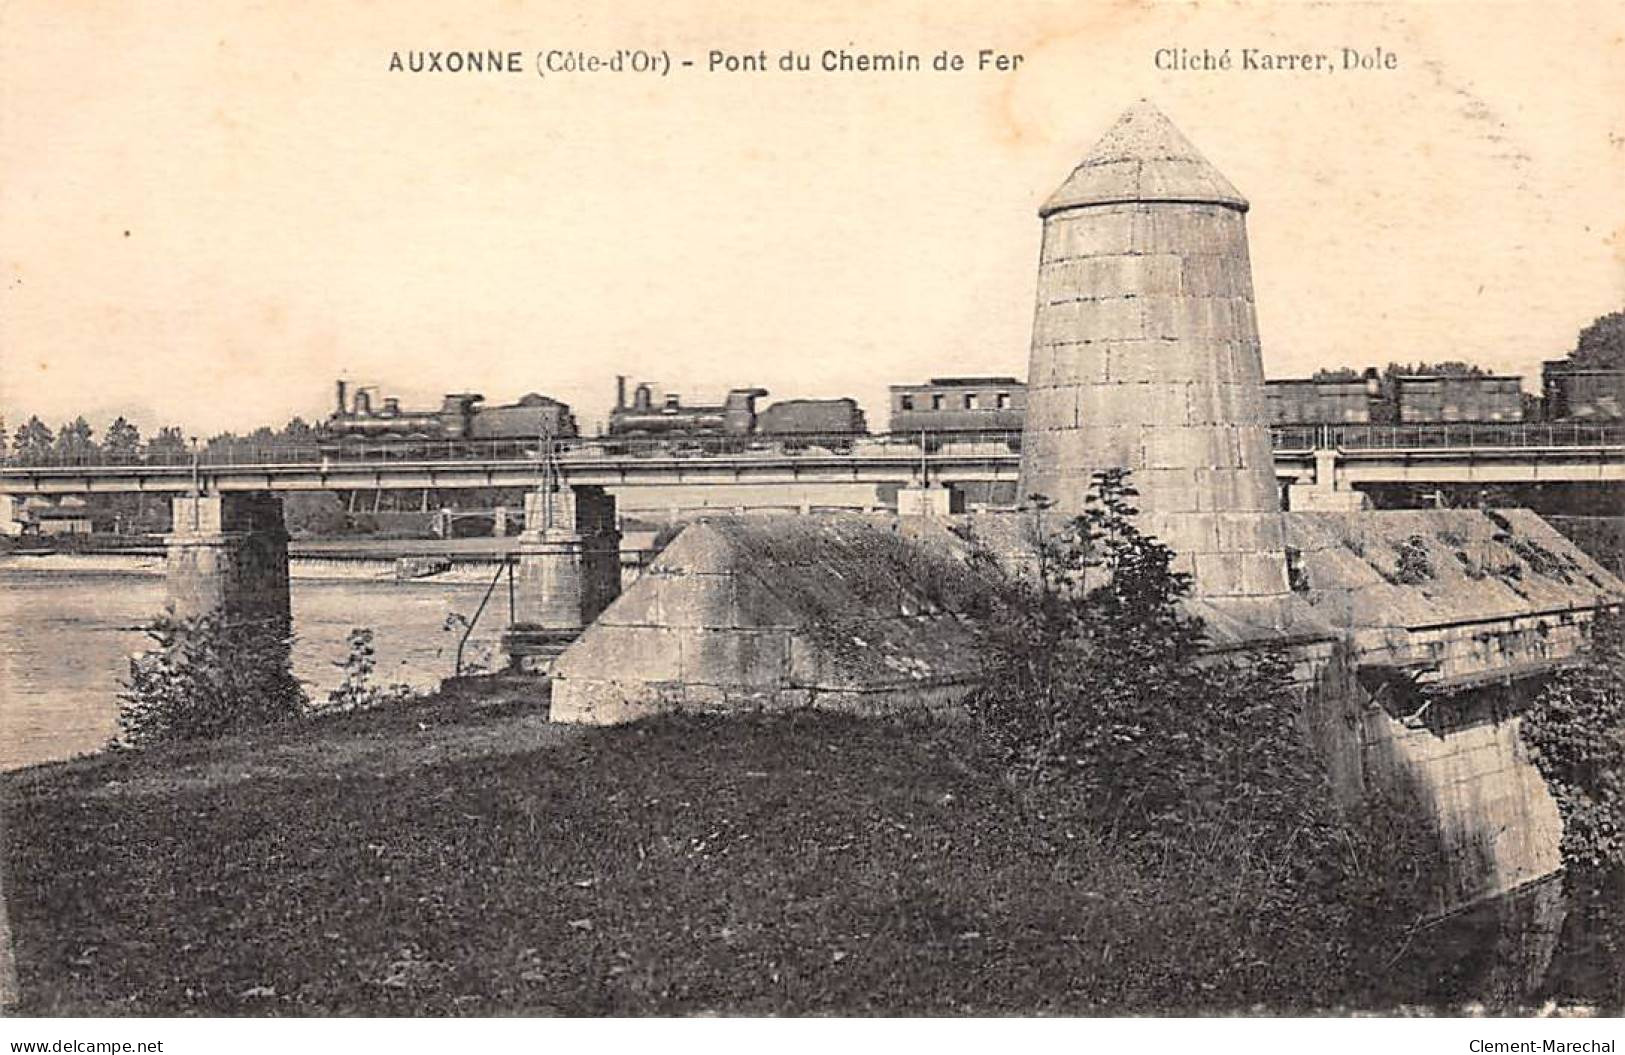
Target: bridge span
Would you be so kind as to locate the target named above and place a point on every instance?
(1353, 455)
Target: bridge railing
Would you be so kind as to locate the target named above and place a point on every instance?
(517, 450)
(937, 446)
(1448, 435)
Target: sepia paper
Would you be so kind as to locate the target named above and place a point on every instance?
(209, 212)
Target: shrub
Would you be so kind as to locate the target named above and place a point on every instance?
(1111, 707)
(1297, 575)
(358, 691)
(313, 513)
(1575, 731)
(664, 537)
(206, 678)
(1414, 567)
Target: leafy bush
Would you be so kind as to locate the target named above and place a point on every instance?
(358, 691)
(308, 513)
(1575, 731)
(1414, 567)
(1112, 709)
(664, 537)
(207, 678)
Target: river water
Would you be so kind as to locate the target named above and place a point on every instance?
(65, 639)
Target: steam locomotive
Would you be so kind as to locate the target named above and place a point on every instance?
(795, 422)
(956, 409)
(460, 417)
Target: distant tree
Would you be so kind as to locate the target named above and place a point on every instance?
(1447, 368)
(298, 433)
(1601, 346)
(317, 513)
(122, 438)
(1444, 368)
(5, 440)
(170, 443)
(33, 441)
(261, 442)
(223, 446)
(75, 440)
(123, 442)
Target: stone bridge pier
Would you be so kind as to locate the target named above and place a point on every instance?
(568, 569)
(228, 561)
(1323, 495)
(228, 557)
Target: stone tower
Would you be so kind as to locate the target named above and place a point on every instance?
(1145, 356)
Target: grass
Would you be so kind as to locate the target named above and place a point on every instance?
(794, 865)
(463, 856)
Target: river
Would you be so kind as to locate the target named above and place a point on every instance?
(65, 639)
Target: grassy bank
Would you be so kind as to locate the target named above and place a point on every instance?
(444, 858)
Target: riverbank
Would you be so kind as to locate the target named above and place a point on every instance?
(316, 566)
(461, 855)
(453, 561)
(66, 638)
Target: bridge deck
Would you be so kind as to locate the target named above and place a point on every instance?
(1365, 454)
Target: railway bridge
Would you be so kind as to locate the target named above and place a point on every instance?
(1338, 457)
(228, 548)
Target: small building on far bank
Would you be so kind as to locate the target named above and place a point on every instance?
(63, 522)
(41, 516)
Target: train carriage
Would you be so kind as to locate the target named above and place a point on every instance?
(1298, 401)
(960, 408)
(1448, 398)
(1578, 393)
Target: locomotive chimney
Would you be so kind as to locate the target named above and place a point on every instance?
(620, 391)
(341, 408)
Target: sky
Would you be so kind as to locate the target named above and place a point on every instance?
(210, 211)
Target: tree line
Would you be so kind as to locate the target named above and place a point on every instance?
(36, 443)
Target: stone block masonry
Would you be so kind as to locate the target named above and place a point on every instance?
(838, 612)
(1145, 356)
(567, 571)
(227, 556)
(1451, 610)
(227, 561)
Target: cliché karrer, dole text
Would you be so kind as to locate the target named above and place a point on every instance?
(1223, 60)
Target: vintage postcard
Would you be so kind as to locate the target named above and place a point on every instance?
(852, 511)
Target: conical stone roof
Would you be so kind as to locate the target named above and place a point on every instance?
(1143, 158)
